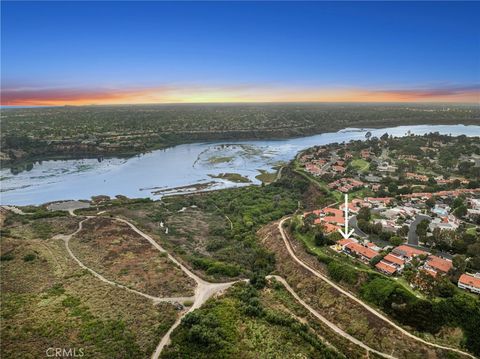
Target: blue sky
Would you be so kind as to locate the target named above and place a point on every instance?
(289, 48)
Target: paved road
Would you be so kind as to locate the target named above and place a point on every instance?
(353, 223)
(412, 235)
(353, 297)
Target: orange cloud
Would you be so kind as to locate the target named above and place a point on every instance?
(70, 96)
(237, 93)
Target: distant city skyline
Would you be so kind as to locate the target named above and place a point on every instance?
(80, 53)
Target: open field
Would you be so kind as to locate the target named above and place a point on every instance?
(19, 226)
(193, 234)
(360, 164)
(114, 250)
(49, 301)
(59, 132)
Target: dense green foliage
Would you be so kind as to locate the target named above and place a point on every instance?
(213, 267)
(342, 273)
(248, 208)
(240, 324)
(43, 213)
(459, 309)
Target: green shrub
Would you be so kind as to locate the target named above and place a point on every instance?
(55, 290)
(374, 261)
(43, 213)
(7, 257)
(70, 302)
(342, 272)
(29, 257)
(212, 267)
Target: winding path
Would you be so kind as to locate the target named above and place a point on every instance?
(353, 297)
(326, 321)
(203, 290)
(156, 300)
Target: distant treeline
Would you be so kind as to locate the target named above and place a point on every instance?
(42, 133)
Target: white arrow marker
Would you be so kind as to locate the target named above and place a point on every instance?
(346, 234)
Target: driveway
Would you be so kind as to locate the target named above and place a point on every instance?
(353, 223)
(412, 235)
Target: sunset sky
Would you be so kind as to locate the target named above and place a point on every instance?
(76, 53)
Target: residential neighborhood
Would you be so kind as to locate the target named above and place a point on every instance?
(410, 216)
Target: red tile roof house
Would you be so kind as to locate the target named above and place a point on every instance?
(333, 211)
(333, 219)
(314, 169)
(415, 176)
(470, 282)
(393, 260)
(454, 193)
(328, 227)
(407, 253)
(436, 265)
(352, 207)
(339, 169)
(343, 242)
(418, 195)
(329, 217)
(365, 254)
(385, 268)
(390, 264)
(356, 183)
(379, 201)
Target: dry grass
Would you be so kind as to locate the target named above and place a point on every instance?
(49, 301)
(341, 310)
(24, 228)
(278, 298)
(192, 232)
(114, 250)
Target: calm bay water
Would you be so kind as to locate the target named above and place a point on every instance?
(181, 165)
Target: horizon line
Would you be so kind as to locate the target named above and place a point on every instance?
(434, 103)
